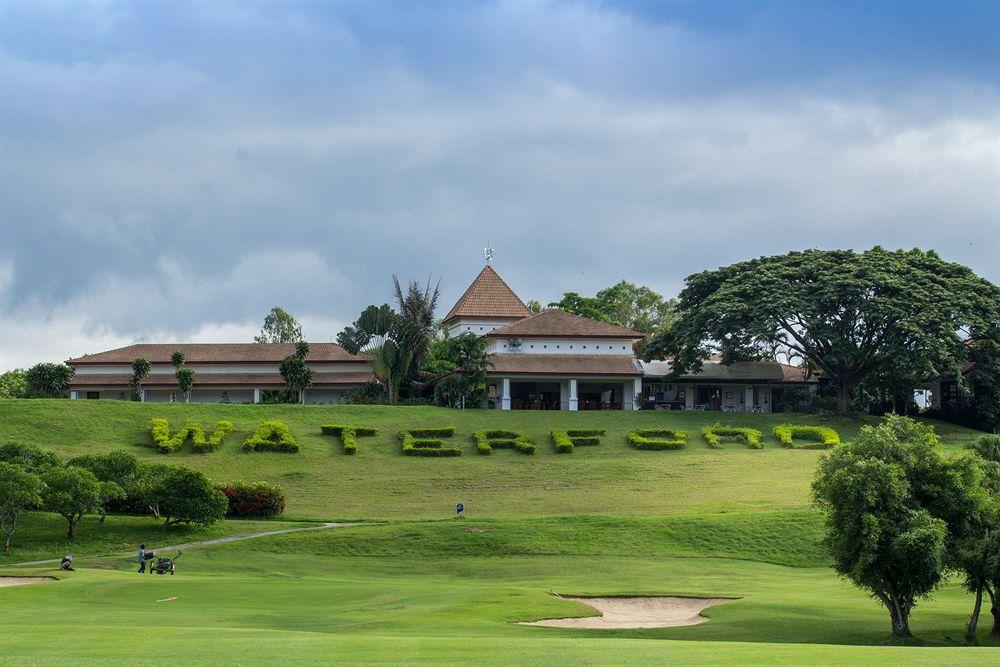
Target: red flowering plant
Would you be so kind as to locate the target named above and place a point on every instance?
(257, 499)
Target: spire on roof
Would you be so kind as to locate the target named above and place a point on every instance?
(489, 296)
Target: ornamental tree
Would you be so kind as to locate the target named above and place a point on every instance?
(897, 511)
(850, 314)
(140, 369)
(32, 458)
(187, 496)
(73, 492)
(120, 467)
(20, 491)
(48, 380)
(293, 369)
(279, 327)
(185, 376)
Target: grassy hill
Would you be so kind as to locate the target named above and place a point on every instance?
(380, 483)
(413, 585)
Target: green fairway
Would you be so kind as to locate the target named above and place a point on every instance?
(412, 585)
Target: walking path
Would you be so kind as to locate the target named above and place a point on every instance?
(189, 545)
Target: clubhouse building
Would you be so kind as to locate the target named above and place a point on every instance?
(552, 360)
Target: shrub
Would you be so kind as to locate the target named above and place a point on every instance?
(656, 438)
(428, 441)
(256, 499)
(715, 434)
(182, 495)
(821, 436)
(988, 447)
(30, 457)
(348, 434)
(271, 436)
(487, 440)
(159, 429)
(567, 440)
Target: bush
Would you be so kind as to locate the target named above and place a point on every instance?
(271, 436)
(428, 442)
(181, 495)
(715, 434)
(487, 440)
(656, 438)
(159, 429)
(369, 393)
(988, 447)
(821, 436)
(568, 440)
(348, 434)
(253, 500)
(30, 457)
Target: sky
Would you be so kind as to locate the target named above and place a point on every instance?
(169, 172)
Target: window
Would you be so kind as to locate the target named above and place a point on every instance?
(557, 347)
(585, 347)
(93, 394)
(121, 396)
(225, 397)
(571, 347)
(545, 347)
(532, 347)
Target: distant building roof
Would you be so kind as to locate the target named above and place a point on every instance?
(216, 353)
(559, 323)
(740, 371)
(488, 296)
(564, 364)
(168, 381)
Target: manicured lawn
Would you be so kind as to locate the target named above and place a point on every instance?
(417, 586)
(378, 482)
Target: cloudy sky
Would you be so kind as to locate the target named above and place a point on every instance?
(170, 172)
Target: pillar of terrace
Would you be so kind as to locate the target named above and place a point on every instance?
(573, 400)
(505, 396)
(256, 396)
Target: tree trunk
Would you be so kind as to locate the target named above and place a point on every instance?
(995, 610)
(6, 541)
(970, 635)
(843, 397)
(72, 527)
(899, 616)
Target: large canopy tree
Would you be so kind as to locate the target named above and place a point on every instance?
(850, 314)
(279, 327)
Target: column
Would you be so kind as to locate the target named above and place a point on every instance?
(302, 396)
(505, 396)
(72, 395)
(256, 396)
(689, 397)
(748, 398)
(636, 390)
(574, 402)
(142, 395)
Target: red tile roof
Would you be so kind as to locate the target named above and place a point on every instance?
(559, 323)
(216, 353)
(488, 296)
(168, 381)
(564, 364)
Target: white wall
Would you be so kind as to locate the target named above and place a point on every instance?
(478, 326)
(562, 346)
(324, 396)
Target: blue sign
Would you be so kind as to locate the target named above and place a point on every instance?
(459, 508)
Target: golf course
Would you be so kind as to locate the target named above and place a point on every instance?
(399, 578)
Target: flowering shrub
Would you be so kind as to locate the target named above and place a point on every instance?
(256, 499)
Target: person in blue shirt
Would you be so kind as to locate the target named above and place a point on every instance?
(142, 558)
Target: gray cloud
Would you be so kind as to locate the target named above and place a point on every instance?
(155, 196)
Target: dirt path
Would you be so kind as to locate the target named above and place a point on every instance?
(637, 612)
(190, 545)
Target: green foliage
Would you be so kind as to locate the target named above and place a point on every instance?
(184, 496)
(851, 314)
(716, 433)
(988, 447)
(487, 440)
(140, 369)
(122, 468)
(370, 393)
(271, 436)
(466, 353)
(279, 327)
(295, 371)
(657, 439)
(820, 436)
(30, 457)
(348, 434)
(567, 440)
(159, 430)
(984, 376)
(895, 509)
(48, 380)
(20, 491)
(257, 499)
(72, 492)
(14, 383)
(374, 321)
(428, 441)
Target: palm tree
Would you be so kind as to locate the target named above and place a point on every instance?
(416, 307)
(185, 376)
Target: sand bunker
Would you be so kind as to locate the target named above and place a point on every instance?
(637, 612)
(23, 581)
